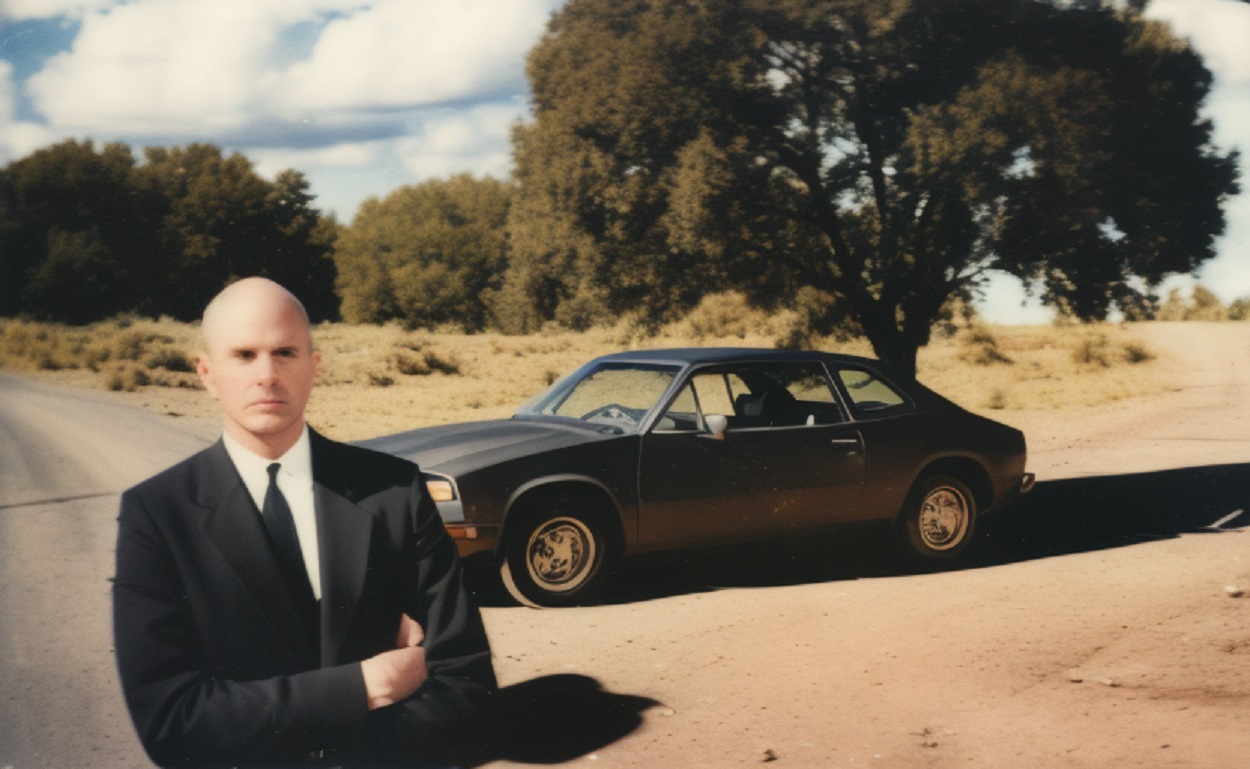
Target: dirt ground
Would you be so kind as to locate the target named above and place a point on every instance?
(1104, 622)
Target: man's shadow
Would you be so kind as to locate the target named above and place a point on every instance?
(550, 720)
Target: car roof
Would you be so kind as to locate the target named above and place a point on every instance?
(689, 356)
(692, 355)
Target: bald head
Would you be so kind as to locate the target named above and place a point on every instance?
(259, 363)
(251, 300)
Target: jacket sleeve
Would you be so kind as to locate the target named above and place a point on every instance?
(458, 654)
(185, 715)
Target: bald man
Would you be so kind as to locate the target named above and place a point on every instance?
(283, 599)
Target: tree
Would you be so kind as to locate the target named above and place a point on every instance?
(426, 255)
(85, 234)
(886, 153)
(221, 221)
(72, 233)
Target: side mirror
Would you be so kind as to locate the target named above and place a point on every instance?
(717, 424)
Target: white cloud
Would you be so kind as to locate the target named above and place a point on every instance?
(17, 139)
(158, 66)
(1004, 301)
(1217, 29)
(189, 69)
(349, 155)
(470, 141)
(409, 53)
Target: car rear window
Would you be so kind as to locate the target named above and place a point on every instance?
(869, 394)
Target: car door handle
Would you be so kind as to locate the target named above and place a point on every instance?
(850, 446)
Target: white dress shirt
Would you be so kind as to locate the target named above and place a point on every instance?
(295, 480)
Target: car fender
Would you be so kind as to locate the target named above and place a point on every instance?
(623, 520)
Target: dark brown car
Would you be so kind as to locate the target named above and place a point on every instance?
(668, 449)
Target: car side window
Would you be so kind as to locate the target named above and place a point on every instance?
(756, 395)
(707, 393)
(868, 393)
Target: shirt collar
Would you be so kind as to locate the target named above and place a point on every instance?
(253, 468)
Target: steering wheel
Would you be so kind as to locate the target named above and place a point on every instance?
(610, 411)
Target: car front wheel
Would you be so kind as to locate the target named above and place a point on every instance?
(938, 519)
(556, 557)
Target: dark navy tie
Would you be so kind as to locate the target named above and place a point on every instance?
(281, 526)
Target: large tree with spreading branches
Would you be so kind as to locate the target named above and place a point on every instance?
(880, 156)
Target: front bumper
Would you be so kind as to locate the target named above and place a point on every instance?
(470, 538)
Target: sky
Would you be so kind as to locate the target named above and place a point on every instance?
(365, 96)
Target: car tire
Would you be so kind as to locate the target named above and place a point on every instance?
(938, 520)
(555, 555)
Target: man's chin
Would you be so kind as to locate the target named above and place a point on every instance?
(267, 426)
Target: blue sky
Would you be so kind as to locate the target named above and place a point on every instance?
(364, 96)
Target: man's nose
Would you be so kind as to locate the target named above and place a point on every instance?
(267, 370)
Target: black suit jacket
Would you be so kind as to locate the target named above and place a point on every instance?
(217, 666)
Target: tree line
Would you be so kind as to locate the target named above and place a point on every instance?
(861, 161)
(86, 234)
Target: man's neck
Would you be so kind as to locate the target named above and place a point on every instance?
(266, 446)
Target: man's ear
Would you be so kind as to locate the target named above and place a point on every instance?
(202, 368)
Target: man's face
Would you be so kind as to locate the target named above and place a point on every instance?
(260, 366)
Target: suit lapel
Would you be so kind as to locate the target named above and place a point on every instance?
(344, 534)
(230, 520)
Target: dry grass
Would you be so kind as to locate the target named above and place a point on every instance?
(376, 380)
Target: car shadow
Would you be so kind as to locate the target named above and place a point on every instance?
(1084, 514)
(550, 720)
(1057, 518)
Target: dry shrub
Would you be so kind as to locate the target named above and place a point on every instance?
(997, 400)
(415, 360)
(1092, 350)
(1136, 352)
(126, 377)
(980, 347)
(1097, 350)
(410, 363)
(727, 316)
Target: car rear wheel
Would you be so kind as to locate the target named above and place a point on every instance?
(556, 555)
(938, 519)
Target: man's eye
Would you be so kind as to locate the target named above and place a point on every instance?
(244, 355)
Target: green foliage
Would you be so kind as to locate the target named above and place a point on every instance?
(887, 155)
(426, 255)
(85, 235)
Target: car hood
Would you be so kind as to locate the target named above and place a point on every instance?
(458, 448)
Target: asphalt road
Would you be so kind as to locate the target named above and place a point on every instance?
(65, 457)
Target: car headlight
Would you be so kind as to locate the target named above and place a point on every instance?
(440, 489)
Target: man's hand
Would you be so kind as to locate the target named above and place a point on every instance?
(394, 675)
(410, 633)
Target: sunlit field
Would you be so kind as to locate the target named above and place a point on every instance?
(380, 379)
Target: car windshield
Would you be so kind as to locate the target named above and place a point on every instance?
(617, 395)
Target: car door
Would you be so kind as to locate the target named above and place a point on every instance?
(789, 460)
